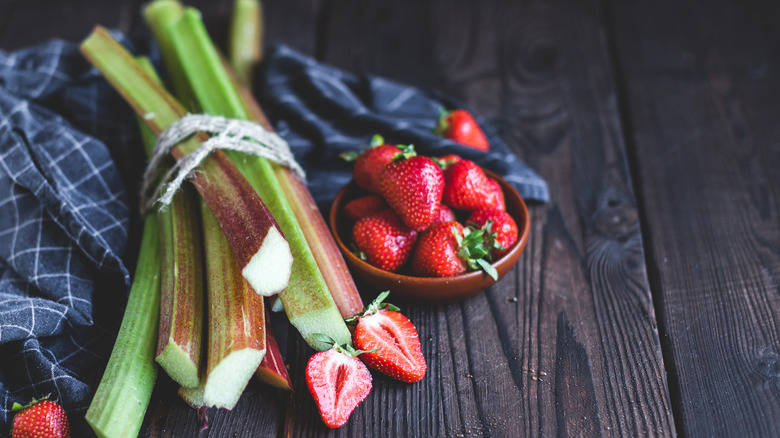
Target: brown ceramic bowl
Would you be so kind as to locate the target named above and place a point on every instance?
(430, 289)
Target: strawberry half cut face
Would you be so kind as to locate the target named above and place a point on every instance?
(339, 382)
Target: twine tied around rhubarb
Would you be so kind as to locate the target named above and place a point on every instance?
(232, 134)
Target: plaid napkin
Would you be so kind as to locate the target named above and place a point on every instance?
(70, 162)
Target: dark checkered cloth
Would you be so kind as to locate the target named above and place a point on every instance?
(70, 161)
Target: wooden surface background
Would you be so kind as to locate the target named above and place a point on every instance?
(647, 301)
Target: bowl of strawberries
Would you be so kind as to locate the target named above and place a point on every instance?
(434, 229)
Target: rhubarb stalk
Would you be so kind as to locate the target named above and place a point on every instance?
(255, 237)
(236, 322)
(121, 399)
(245, 42)
(307, 302)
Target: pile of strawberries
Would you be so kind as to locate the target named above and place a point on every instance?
(408, 219)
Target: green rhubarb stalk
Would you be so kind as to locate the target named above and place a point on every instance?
(255, 237)
(326, 253)
(121, 399)
(307, 302)
(245, 42)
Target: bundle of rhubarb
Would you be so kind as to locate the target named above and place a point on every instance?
(263, 235)
(430, 216)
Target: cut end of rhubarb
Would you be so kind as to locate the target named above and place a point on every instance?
(226, 382)
(310, 323)
(176, 362)
(268, 271)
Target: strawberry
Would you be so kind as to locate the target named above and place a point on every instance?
(381, 327)
(466, 187)
(338, 381)
(40, 419)
(498, 225)
(363, 206)
(459, 125)
(383, 240)
(447, 160)
(368, 165)
(413, 185)
(444, 214)
(447, 249)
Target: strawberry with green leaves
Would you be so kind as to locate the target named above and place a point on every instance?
(459, 126)
(40, 419)
(369, 164)
(338, 381)
(498, 226)
(466, 187)
(383, 240)
(391, 341)
(413, 186)
(448, 248)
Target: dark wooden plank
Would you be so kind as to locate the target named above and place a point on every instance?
(567, 344)
(702, 94)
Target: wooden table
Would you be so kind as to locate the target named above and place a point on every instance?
(647, 301)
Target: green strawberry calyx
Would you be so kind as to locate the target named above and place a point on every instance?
(325, 342)
(16, 407)
(375, 306)
(351, 156)
(443, 124)
(407, 151)
(474, 248)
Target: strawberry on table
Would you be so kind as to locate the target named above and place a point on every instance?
(40, 419)
(466, 187)
(502, 228)
(448, 248)
(338, 381)
(363, 206)
(459, 126)
(369, 164)
(381, 327)
(383, 240)
(413, 185)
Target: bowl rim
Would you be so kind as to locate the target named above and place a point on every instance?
(518, 246)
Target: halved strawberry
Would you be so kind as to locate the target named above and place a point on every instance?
(447, 248)
(466, 187)
(338, 381)
(459, 125)
(40, 419)
(369, 164)
(413, 185)
(383, 240)
(499, 227)
(383, 328)
(363, 206)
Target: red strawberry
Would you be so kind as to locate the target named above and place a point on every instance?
(383, 240)
(467, 188)
(444, 214)
(460, 126)
(40, 419)
(413, 186)
(502, 230)
(338, 381)
(363, 206)
(393, 337)
(447, 160)
(447, 248)
(368, 165)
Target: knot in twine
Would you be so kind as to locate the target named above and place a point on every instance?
(233, 134)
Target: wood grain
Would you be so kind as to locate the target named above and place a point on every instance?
(701, 92)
